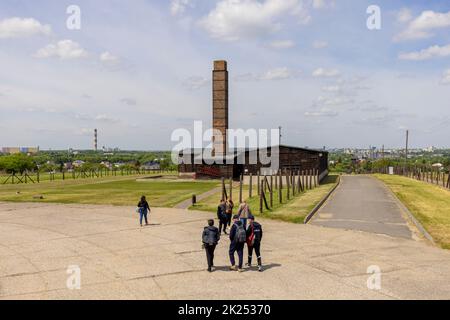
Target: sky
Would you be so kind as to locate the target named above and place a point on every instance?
(138, 70)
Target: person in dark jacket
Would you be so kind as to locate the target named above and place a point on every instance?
(229, 205)
(237, 243)
(144, 208)
(210, 238)
(222, 216)
(254, 237)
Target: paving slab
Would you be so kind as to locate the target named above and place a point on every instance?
(120, 260)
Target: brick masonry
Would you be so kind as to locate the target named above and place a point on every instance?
(220, 106)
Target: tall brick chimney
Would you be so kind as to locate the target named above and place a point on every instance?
(220, 107)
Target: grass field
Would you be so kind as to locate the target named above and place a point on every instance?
(295, 210)
(107, 190)
(430, 205)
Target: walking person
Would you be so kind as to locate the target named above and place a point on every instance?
(229, 211)
(210, 238)
(254, 237)
(244, 213)
(238, 237)
(222, 216)
(144, 209)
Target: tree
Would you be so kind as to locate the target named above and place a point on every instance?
(17, 163)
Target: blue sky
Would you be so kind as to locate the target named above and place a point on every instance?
(139, 70)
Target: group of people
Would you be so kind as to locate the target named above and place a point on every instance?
(245, 230)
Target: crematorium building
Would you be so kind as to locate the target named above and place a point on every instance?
(290, 158)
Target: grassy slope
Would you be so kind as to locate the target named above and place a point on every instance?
(295, 210)
(109, 190)
(428, 203)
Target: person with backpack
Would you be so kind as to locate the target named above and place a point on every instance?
(238, 237)
(210, 239)
(222, 216)
(229, 211)
(143, 208)
(254, 237)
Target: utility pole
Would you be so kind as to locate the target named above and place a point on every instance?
(279, 139)
(406, 150)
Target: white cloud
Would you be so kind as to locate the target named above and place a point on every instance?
(321, 4)
(233, 20)
(404, 15)
(178, 7)
(283, 44)
(272, 74)
(277, 74)
(446, 77)
(421, 27)
(325, 73)
(336, 101)
(320, 44)
(196, 82)
(331, 88)
(65, 49)
(22, 27)
(106, 118)
(108, 58)
(426, 54)
(323, 112)
(129, 101)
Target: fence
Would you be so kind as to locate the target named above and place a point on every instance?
(274, 187)
(428, 174)
(37, 177)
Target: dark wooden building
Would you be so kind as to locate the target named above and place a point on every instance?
(289, 158)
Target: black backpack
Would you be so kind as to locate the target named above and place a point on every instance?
(209, 236)
(241, 234)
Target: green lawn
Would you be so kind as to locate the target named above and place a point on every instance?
(107, 190)
(295, 210)
(430, 205)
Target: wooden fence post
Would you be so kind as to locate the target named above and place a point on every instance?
(287, 185)
(223, 188)
(250, 187)
(240, 187)
(258, 183)
(271, 191)
(231, 189)
(261, 194)
(280, 189)
(276, 180)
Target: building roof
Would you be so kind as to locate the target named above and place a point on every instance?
(233, 152)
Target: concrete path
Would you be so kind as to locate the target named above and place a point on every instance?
(187, 203)
(119, 260)
(364, 203)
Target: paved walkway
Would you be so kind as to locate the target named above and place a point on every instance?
(119, 260)
(187, 203)
(363, 203)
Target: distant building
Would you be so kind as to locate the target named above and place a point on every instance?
(151, 166)
(77, 163)
(24, 150)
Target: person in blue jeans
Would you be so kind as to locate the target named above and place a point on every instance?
(144, 208)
